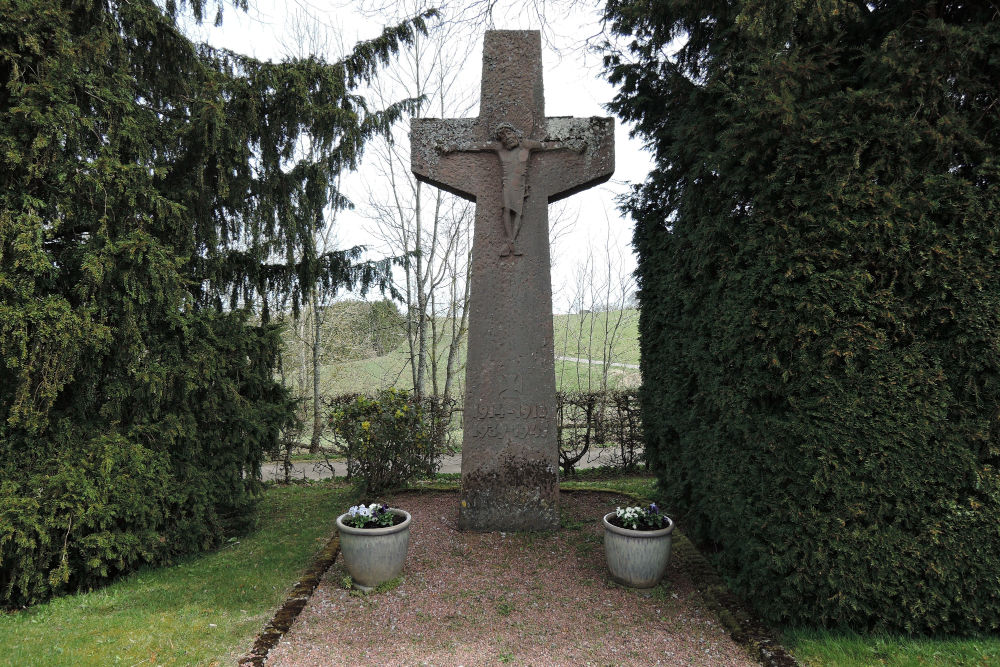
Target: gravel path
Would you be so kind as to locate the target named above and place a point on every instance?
(516, 598)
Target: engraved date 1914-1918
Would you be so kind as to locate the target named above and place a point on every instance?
(524, 411)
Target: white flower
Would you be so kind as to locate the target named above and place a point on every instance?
(631, 516)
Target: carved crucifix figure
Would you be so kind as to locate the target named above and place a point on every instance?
(513, 162)
(514, 152)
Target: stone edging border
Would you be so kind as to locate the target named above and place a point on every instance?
(745, 628)
(292, 606)
(742, 625)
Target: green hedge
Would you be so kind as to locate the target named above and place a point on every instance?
(819, 261)
(154, 209)
(87, 499)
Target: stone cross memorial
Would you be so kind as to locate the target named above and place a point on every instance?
(513, 162)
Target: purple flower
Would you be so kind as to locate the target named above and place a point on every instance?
(653, 509)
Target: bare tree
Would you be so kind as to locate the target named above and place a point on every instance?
(592, 339)
(469, 16)
(430, 227)
(602, 297)
(306, 38)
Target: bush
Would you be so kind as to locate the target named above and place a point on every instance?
(388, 440)
(599, 418)
(88, 500)
(78, 525)
(820, 323)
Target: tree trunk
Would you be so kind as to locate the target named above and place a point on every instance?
(317, 429)
(421, 357)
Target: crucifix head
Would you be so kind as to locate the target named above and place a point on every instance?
(508, 135)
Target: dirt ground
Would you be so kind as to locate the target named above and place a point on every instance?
(507, 598)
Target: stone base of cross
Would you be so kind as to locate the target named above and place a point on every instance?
(513, 162)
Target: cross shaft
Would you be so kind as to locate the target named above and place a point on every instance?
(512, 161)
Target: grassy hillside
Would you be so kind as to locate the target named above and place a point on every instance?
(578, 336)
(583, 336)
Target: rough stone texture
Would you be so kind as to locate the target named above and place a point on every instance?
(510, 450)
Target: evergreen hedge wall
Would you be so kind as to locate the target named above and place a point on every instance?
(167, 463)
(820, 299)
(153, 200)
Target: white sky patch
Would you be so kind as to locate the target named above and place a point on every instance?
(573, 87)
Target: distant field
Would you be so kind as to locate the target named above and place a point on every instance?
(583, 336)
(573, 377)
(579, 336)
(576, 336)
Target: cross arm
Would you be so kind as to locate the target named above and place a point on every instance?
(470, 148)
(443, 154)
(577, 146)
(589, 160)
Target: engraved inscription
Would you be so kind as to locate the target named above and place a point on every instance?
(500, 420)
(504, 429)
(525, 411)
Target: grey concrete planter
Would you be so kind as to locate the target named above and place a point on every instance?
(637, 558)
(374, 555)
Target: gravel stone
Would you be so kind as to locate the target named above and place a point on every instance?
(507, 598)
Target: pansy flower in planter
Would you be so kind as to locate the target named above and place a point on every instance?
(373, 540)
(637, 545)
(376, 515)
(640, 518)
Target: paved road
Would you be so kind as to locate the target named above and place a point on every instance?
(597, 363)
(453, 464)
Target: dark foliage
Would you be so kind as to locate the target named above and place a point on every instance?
(820, 324)
(588, 420)
(151, 199)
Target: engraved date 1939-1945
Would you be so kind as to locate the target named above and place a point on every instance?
(515, 429)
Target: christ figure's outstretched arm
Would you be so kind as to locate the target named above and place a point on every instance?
(513, 151)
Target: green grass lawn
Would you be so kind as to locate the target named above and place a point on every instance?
(815, 647)
(204, 610)
(642, 487)
(207, 609)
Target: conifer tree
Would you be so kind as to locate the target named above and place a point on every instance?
(820, 318)
(151, 202)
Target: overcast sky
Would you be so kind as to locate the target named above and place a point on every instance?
(573, 87)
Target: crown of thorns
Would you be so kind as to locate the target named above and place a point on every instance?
(506, 126)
